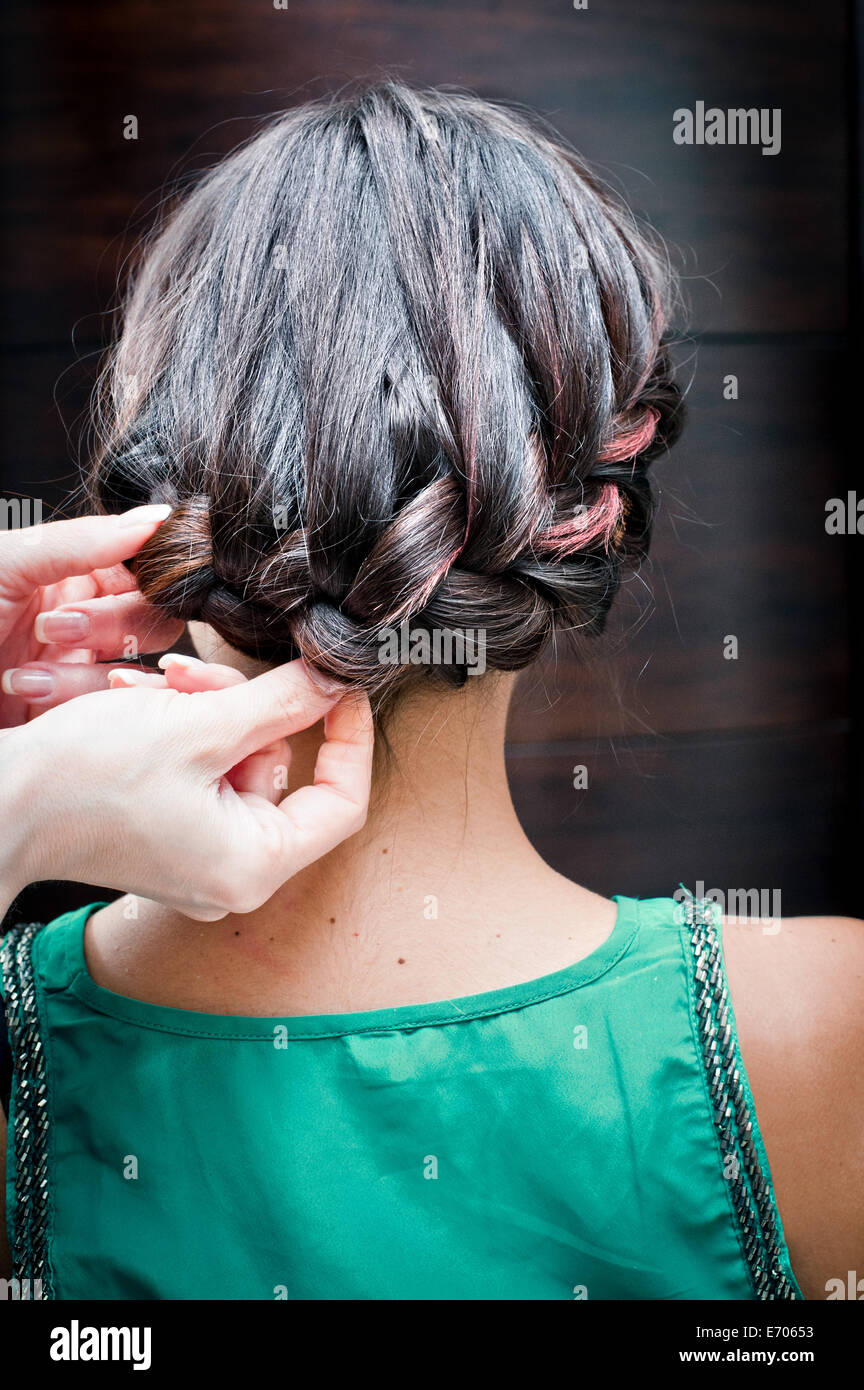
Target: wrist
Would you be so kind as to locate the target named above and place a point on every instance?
(17, 803)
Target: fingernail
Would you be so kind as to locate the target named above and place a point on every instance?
(59, 626)
(122, 677)
(178, 659)
(144, 516)
(32, 685)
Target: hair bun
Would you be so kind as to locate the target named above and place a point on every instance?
(436, 406)
(175, 569)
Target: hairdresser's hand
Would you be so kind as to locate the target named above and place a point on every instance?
(68, 603)
(264, 771)
(152, 790)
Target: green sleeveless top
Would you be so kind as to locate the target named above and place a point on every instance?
(590, 1134)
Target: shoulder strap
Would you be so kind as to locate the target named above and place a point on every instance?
(5, 1062)
(752, 1196)
(33, 1195)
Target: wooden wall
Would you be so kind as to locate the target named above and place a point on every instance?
(740, 773)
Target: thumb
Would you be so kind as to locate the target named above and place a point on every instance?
(36, 556)
(236, 722)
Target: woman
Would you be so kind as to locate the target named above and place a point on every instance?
(398, 365)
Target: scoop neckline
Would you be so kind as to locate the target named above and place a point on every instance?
(399, 1018)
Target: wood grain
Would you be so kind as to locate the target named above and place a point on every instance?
(761, 239)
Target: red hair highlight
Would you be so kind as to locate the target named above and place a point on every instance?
(598, 522)
(628, 445)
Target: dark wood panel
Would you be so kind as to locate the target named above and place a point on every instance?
(44, 399)
(740, 549)
(763, 812)
(762, 239)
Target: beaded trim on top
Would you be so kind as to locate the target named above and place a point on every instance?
(31, 1264)
(751, 1194)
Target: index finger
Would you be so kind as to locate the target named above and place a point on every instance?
(35, 556)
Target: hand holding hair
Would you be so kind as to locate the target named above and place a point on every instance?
(174, 805)
(72, 570)
(179, 804)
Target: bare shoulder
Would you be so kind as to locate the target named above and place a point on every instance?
(797, 988)
(130, 949)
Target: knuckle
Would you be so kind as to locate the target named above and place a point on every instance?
(223, 890)
(246, 902)
(239, 898)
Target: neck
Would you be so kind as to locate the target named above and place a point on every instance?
(441, 827)
(439, 895)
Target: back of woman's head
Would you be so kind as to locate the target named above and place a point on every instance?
(397, 360)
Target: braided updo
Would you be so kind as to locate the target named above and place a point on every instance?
(397, 360)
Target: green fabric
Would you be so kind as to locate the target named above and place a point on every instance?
(551, 1140)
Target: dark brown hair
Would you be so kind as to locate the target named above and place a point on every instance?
(400, 357)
